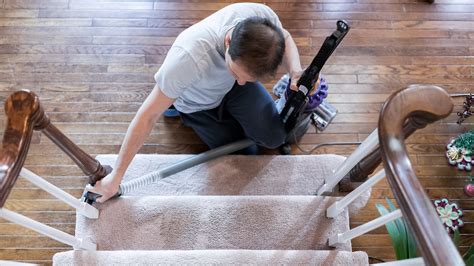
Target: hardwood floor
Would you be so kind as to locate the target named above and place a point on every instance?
(92, 64)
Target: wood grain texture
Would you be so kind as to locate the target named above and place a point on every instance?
(420, 104)
(92, 64)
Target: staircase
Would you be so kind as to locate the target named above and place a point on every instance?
(238, 209)
(232, 210)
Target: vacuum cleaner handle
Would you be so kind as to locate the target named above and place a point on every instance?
(308, 79)
(311, 73)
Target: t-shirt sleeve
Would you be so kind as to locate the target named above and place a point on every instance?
(177, 73)
(267, 12)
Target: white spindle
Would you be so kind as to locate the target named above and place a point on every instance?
(337, 207)
(82, 207)
(16, 263)
(49, 231)
(407, 262)
(362, 229)
(364, 149)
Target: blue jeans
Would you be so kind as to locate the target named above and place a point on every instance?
(245, 112)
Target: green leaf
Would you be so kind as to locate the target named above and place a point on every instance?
(469, 253)
(412, 249)
(397, 241)
(470, 261)
(390, 204)
(403, 240)
(400, 223)
(456, 237)
(391, 227)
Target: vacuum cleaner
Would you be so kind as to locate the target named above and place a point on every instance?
(302, 108)
(308, 105)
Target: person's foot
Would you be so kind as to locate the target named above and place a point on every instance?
(285, 149)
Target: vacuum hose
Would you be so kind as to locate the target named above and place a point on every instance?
(152, 177)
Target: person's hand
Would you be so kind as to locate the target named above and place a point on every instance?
(107, 187)
(295, 76)
(315, 87)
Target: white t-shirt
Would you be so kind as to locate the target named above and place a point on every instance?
(194, 71)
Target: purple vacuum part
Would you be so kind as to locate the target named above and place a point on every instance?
(314, 100)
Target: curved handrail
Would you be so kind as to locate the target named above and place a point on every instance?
(21, 110)
(363, 169)
(366, 167)
(420, 104)
(25, 114)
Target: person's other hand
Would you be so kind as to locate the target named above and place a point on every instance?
(295, 76)
(315, 87)
(107, 187)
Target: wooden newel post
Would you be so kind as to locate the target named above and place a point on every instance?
(25, 114)
(367, 166)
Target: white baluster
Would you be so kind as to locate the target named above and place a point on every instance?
(49, 231)
(364, 149)
(82, 207)
(362, 229)
(16, 263)
(337, 207)
(407, 262)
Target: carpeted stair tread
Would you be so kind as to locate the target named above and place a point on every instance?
(238, 175)
(213, 222)
(234, 174)
(211, 257)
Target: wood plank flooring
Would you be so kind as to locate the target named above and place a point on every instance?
(92, 64)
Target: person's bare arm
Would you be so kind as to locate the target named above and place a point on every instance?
(291, 59)
(138, 131)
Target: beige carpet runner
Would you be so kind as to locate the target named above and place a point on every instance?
(233, 210)
(213, 222)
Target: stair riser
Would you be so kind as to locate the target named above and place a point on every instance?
(212, 257)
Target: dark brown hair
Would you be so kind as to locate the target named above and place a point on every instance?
(259, 45)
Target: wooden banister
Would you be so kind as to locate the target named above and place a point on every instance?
(21, 110)
(25, 114)
(420, 104)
